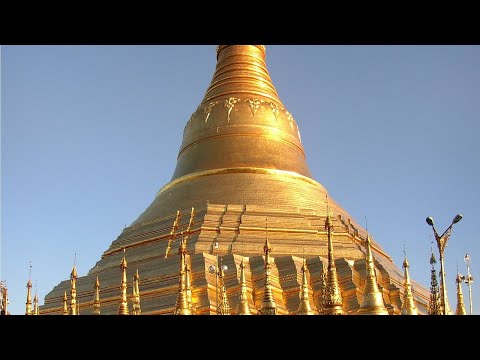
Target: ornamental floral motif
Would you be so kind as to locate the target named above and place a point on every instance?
(254, 105)
(229, 105)
(207, 109)
(275, 109)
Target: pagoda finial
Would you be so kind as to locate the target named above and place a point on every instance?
(435, 305)
(65, 304)
(28, 308)
(304, 307)
(136, 310)
(268, 303)
(73, 289)
(96, 297)
(333, 302)
(35, 302)
(372, 299)
(243, 308)
(460, 304)
(408, 304)
(182, 306)
(123, 308)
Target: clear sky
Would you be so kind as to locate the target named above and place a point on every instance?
(89, 134)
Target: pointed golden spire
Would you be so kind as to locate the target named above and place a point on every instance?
(333, 302)
(224, 308)
(435, 305)
(408, 304)
(182, 306)
(268, 303)
(243, 308)
(96, 297)
(65, 305)
(35, 302)
(123, 308)
(28, 308)
(372, 302)
(136, 310)
(304, 307)
(73, 290)
(460, 304)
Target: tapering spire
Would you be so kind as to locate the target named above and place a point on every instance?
(65, 304)
(435, 305)
(304, 307)
(123, 308)
(73, 290)
(35, 303)
(243, 308)
(96, 297)
(136, 310)
(408, 304)
(460, 304)
(182, 306)
(224, 308)
(28, 308)
(268, 303)
(333, 302)
(372, 299)
(172, 233)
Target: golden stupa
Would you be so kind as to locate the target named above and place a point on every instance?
(241, 165)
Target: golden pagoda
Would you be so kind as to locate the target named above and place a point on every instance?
(304, 308)
(460, 303)
(241, 161)
(73, 292)
(408, 304)
(123, 307)
(96, 298)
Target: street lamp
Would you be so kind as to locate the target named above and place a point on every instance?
(469, 280)
(442, 244)
(218, 273)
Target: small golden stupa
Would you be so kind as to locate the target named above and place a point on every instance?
(242, 161)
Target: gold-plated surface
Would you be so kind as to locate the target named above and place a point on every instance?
(243, 308)
(408, 305)
(183, 305)
(332, 301)
(304, 307)
(96, 298)
(35, 305)
(460, 303)
(28, 307)
(241, 161)
(268, 302)
(136, 309)
(123, 307)
(73, 310)
(372, 298)
(65, 304)
(435, 305)
(224, 308)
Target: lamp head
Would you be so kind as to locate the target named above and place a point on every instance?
(467, 259)
(429, 220)
(457, 218)
(211, 268)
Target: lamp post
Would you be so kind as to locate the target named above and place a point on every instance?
(469, 280)
(218, 271)
(442, 244)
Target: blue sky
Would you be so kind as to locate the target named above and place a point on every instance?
(89, 134)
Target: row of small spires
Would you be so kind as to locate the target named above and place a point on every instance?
(331, 301)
